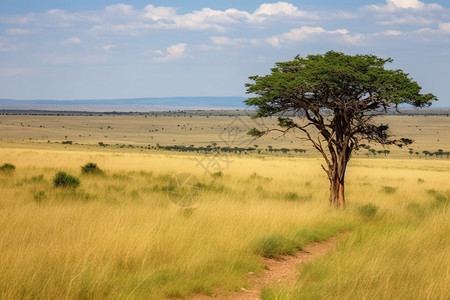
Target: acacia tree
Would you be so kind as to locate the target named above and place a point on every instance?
(337, 97)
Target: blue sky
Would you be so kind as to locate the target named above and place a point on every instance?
(123, 49)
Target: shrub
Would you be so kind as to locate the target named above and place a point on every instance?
(368, 210)
(62, 179)
(39, 196)
(274, 245)
(91, 168)
(291, 196)
(441, 197)
(389, 189)
(7, 168)
(217, 174)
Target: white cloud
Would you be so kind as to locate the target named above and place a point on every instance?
(391, 32)
(396, 5)
(159, 13)
(406, 3)
(173, 52)
(108, 47)
(71, 41)
(56, 59)
(18, 31)
(11, 72)
(222, 41)
(408, 19)
(7, 46)
(163, 17)
(276, 8)
(445, 27)
(302, 33)
(280, 10)
(119, 9)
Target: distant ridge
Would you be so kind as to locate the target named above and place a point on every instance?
(126, 105)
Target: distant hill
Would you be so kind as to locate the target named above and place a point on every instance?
(125, 105)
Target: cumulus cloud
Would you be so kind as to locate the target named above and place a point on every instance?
(159, 13)
(163, 17)
(119, 9)
(395, 5)
(303, 33)
(445, 27)
(391, 32)
(276, 8)
(71, 41)
(108, 47)
(173, 52)
(408, 19)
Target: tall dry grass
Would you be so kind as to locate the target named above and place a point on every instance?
(119, 236)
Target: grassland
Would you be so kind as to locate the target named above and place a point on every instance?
(200, 128)
(119, 236)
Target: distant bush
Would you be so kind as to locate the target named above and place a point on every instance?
(7, 167)
(368, 210)
(274, 245)
(291, 196)
(441, 197)
(91, 168)
(389, 189)
(39, 196)
(62, 179)
(217, 174)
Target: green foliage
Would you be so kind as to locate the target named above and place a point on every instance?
(389, 189)
(291, 196)
(39, 196)
(368, 210)
(441, 197)
(255, 132)
(274, 245)
(337, 94)
(7, 168)
(64, 180)
(217, 174)
(91, 168)
(310, 79)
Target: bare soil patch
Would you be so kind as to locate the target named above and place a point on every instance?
(283, 270)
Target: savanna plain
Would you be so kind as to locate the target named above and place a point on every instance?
(130, 230)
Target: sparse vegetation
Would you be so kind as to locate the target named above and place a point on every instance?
(389, 189)
(368, 210)
(119, 236)
(91, 168)
(7, 168)
(274, 245)
(64, 180)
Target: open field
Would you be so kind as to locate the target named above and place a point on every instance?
(119, 236)
(201, 128)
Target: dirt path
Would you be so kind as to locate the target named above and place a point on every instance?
(281, 270)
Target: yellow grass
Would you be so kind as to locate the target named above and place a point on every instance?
(185, 128)
(119, 235)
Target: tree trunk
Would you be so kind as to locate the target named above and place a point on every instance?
(336, 176)
(337, 196)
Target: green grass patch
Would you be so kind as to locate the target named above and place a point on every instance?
(64, 180)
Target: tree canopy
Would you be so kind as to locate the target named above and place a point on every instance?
(338, 95)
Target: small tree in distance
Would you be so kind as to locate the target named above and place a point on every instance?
(338, 96)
